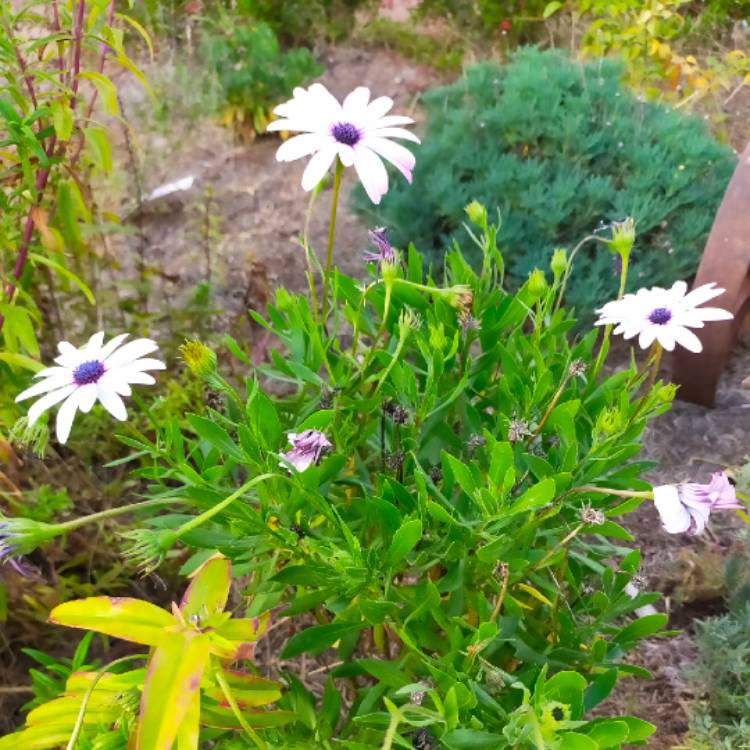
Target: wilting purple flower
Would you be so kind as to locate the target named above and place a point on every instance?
(686, 507)
(379, 239)
(10, 554)
(307, 448)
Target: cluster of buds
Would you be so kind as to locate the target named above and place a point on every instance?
(518, 429)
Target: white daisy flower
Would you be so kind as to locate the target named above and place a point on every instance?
(95, 371)
(664, 315)
(358, 132)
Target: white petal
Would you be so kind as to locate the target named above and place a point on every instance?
(130, 352)
(69, 355)
(94, 344)
(665, 336)
(710, 313)
(391, 120)
(111, 345)
(674, 515)
(355, 105)
(346, 154)
(310, 126)
(685, 337)
(646, 337)
(318, 166)
(371, 172)
(112, 402)
(147, 364)
(48, 371)
(115, 380)
(378, 107)
(49, 384)
(395, 153)
(66, 414)
(301, 145)
(86, 397)
(136, 377)
(392, 133)
(702, 294)
(39, 407)
(678, 290)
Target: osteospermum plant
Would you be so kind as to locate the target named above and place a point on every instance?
(425, 483)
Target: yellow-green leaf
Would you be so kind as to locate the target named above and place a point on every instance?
(106, 90)
(35, 738)
(62, 271)
(174, 676)
(21, 360)
(208, 590)
(144, 34)
(98, 143)
(62, 119)
(189, 731)
(129, 619)
(248, 690)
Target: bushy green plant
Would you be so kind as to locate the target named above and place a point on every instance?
(557, 148)
(253, 72)
(454, 536)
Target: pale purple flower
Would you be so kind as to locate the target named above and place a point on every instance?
(95, 371)
(687, 507)
(357, 131)
(308, 448)
(379, 239)
(664, 315)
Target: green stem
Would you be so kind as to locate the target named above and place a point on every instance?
(87, 696)
(604, 348)
(559, 546)
(211, 512)
(394, 359)
(62, 528)
(610, 491)
(331, 234)
(249, 731)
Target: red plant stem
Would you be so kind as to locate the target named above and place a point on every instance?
(22, 65)
(77, 44)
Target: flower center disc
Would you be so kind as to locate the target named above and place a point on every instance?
(346, 133)
(88, 372)
(660, 316)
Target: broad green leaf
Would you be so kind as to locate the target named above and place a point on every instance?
(535, 497)
(638, 729)
(576, 741)
(174, 677)
(473, 739)
(403, 542)
(216, 436)
(208, 589)
(248, 690)
(318, 638)
(641, 628)
(608, 732)
(129, 619)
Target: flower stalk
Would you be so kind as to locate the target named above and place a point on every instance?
(331, 235)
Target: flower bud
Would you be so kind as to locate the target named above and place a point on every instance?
(623, 237)
(201, 361)
(559, 262)
(477, 214)
(537, 283)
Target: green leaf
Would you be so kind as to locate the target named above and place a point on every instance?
(461, 472)
(472, 739)
(21, 360)
(642, 627)
(576, 741)
(608, 732)
(638, 729)
(129, 619)
(535, 497)
(599, 689)
(318, 638)
(403, 542)
(216, 436)
(551, 8)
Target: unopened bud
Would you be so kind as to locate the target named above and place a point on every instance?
(623, 237)
(559, 262)
(201, 361)
(537, 283)
(477, 214)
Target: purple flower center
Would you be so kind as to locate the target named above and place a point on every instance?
(660, 316)
(88, 372)
(346, 133)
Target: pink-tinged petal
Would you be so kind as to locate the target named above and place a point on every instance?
(45, 386)
(46, 402)
(346, 154)
(675, 517)
(131, 351)
(391, 120)
(646, 337)
(699, 519)
(702, 294)
(665, 336)
(112, 403)
(371, 172)
(378, 107)
(722, 493)
(355, 105)
(318, 166)
(393, 133)
(111, 345)
(86, 397)
(395, 153)
(66, 414)
(301, 145)
(685, 337)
